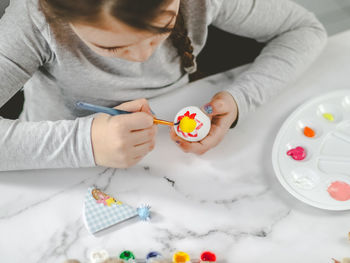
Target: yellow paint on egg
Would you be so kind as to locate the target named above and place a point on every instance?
(187, 125)
(328, 116)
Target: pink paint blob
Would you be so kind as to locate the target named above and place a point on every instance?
(339, 191)
(297, 153)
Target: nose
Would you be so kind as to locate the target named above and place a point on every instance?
(140, 53)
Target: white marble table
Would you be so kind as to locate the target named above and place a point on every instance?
(228, 200)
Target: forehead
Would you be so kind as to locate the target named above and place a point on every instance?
(110, 31)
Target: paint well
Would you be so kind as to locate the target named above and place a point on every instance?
(339, 191)
(328, 116)
(297, 153)
(308, 132)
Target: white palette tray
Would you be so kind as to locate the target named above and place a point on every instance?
(327, 153)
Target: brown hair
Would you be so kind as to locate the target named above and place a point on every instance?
(95, 193)
(136, 13)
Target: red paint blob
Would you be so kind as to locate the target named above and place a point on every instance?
(297, 153)
(208, 256)
(339, 191)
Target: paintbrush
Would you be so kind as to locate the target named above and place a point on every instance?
(113, 112)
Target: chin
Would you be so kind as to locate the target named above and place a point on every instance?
(135, 60)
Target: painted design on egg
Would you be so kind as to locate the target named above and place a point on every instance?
(188, 125)
(192, 124)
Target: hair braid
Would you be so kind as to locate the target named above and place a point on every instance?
(183, 44)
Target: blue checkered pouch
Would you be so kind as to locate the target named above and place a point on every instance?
(102, 211)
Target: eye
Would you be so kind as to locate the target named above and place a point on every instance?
(112, 49)
(168, 31)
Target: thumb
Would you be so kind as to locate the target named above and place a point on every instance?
(215, 107)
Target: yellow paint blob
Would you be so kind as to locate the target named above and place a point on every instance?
(181, 257)
(187, 125)
(328, 116)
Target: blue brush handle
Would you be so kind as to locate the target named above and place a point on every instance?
(96, 108)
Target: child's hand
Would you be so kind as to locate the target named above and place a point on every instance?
(222, 110)
(123, 140)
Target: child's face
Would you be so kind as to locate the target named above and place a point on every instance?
(130, 43)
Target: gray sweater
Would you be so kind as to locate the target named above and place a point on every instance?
(52, 133)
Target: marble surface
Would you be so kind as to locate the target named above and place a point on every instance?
(228, 200)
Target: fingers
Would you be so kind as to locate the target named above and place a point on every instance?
(135, 105)
(221, 105)
(216, 107)
(143, 149)
(178, 140)
(214, 137)
(143, 136)
(134, 121)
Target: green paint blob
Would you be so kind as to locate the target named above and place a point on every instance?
(126, 255)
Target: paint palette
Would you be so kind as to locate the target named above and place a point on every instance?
(311, 153)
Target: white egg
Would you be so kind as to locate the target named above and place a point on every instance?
(194, 124)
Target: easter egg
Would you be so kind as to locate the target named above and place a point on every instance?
(192, 124)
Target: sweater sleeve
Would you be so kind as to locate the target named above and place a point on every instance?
(294, 39)
(33, 145)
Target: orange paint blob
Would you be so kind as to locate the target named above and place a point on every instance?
(308, 132)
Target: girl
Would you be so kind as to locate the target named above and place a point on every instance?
(108, 52)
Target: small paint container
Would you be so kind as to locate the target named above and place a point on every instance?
(154, 257)
(98, 256)
(181, 257)
(127, 256)
(208, 257)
